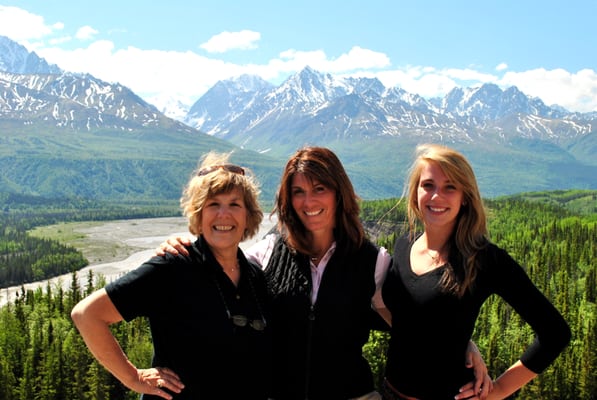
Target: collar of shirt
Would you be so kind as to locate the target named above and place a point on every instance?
(317, 271)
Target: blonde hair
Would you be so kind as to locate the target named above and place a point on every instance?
(215, 176)
(470, 233)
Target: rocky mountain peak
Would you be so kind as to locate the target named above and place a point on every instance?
(16, 59)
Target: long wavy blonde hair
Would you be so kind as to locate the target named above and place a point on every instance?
(470, 233)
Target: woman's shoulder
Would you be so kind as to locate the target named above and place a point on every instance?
(495, 259)
(403, 242)
(254, 267)
(493, 251)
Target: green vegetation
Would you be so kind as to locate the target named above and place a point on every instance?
(26, 257)
(552, 234)
(149, 164)
(582, 202)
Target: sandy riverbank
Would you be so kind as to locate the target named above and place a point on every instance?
(136, 241)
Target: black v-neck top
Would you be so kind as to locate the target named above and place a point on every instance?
(431, 329)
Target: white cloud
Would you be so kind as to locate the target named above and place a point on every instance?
(292, 60)
(188, 75)
(468, 75)
(22, 26)
(225, 41)
(430, 82)
(574, 91)
(54, 42)
(86, 32)
(149, 73)
(359, 58)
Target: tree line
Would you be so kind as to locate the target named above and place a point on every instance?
(43, 357)
(25, 258)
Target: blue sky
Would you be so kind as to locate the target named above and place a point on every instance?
(177, 49)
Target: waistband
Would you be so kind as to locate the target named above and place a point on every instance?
(389, 392)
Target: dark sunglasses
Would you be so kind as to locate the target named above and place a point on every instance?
(242, 321)
(235, 169)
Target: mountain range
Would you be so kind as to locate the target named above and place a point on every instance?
(66, 134)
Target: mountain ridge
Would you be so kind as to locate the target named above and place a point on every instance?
(57, 126)
(310, 94)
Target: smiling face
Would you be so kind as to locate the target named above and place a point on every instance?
(438, 199)
(314, 203)
(224, 220)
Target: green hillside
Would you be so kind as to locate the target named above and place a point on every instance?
(139, 165)
(153, 163)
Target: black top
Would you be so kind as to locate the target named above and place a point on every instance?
(431, 329)
(191, 331)
(318, 348)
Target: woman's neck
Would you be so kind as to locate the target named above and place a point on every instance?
(428, 253)
(229, 263)
(321, 241)
(227, 259)
(436, 237)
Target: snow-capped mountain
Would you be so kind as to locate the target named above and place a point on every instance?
(312, 105)
(169, 106)
(222, 102)
(17, 59)
(74, 101)
(516, 143)
(35, 92)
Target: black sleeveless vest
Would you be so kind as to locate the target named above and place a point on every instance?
(317, 349)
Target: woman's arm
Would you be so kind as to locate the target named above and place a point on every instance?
(510, 381)
(93, 316)
(259, 252)
(382, 264)
(552, 333)
(482, 385)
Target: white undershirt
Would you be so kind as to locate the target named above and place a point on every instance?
(261, 252)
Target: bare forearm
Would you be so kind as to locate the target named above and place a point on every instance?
(511, 380)
(385, 314)
(92, 317)
(107, 351)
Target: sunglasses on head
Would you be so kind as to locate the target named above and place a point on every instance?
(235, 169)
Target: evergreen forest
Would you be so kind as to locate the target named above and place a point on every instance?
(552, 234)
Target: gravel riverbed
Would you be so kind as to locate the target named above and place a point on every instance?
(132, 241)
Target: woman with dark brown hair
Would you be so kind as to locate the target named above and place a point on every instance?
(321, 271)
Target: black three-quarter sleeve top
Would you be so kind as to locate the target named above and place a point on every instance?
(431, 329)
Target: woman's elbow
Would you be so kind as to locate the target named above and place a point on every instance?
(95, 307)
(77, 314)
(566, 335)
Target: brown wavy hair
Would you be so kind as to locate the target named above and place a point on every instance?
(322, 165)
